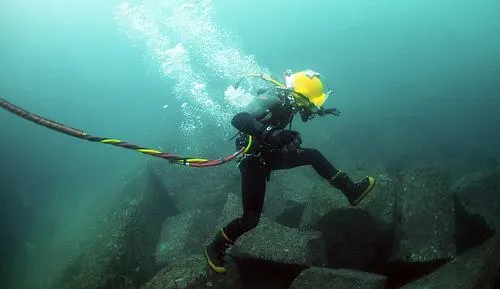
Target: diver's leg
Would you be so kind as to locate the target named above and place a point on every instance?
(304, 157)
(253, 186)
(354, 192)
(253, 190)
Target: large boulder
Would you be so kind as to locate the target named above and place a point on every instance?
(192, 272)
(354, 239)
(325, 278)
(357, 238)
(294, 184)
(271, 255)
(477, 206)
(323, 200)
(271, 241)
(274, 243)
(120, 252)
(195, 189)
(186, 273)
(380, 203)
(184, 234)
(231, 210)
(287, 194)
(476, 268)
(425, 226)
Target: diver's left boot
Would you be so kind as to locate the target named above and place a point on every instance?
(215, 252)
(354, 192)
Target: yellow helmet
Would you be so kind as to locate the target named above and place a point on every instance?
(307, 84)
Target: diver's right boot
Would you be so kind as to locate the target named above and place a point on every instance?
(215, 252)
(354, 192)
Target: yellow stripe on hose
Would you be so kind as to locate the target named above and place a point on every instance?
(149, 151)
(110, 140)
(196, 160)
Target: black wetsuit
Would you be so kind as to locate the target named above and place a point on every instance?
(268, 110)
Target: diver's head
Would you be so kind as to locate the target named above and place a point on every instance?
(308, 88)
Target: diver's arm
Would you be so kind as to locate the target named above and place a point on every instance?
(324, 111)
(275, 137)
(308, 114)
(248, 121)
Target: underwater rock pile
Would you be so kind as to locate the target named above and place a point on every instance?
(287, 194)
(475, 268)
(121, 252)
(424, 223)
(184, 234)
(192, 273)
(413, 231)
(477, 203)
(326, 278)
(356, 238)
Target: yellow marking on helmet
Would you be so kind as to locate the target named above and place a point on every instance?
(110, 140)
(149, 151)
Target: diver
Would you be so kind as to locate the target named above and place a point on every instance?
(265, 128)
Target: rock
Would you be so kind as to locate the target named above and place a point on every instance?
(424, 233)
(356, 238)
(184, 235)
(381, 202)
(287, 194)
(295, 185)
(275, 243)
(186, 273)
(282, 211)
(192, 273)
(175, 231)
(272, 255)
(326, 278)
(291, 214)
(195, 189)
(232, 209)
(425, 214)
(477, 207)
(476, 268)
(323, 200)
(119, 254)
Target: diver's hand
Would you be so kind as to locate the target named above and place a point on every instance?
(279, 138)
(293, 147)
(332, 111)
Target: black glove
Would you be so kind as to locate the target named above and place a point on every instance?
(293, 147)
(325, 111)
(279, 138)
